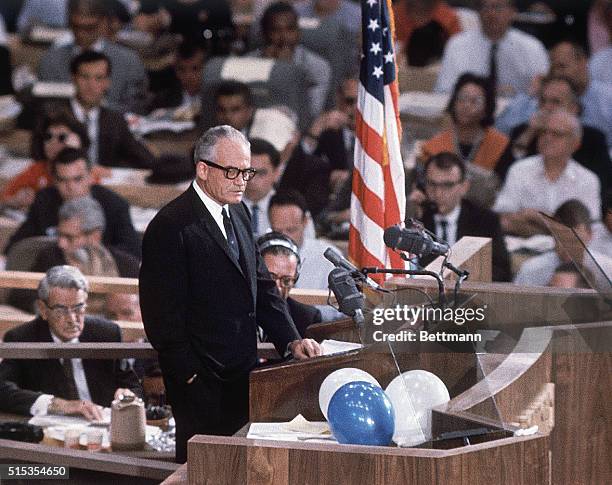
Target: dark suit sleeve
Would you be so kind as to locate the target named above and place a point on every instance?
(272, 311)
(32, 226)
(125, 377)
(13, 399)
(163, 298)
(120, 232)
(130, 152)
(501, 259)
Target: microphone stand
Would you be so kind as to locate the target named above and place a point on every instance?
(412, 272)
(462, 276)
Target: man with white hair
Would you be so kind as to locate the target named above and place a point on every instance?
(545, 181)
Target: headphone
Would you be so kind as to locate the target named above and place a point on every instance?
(276, 239)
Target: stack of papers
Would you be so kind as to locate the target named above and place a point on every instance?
(329, 347)
(299, 429)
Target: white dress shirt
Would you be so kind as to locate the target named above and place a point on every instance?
(263, 222)
(41, 405)
(600, 66)
(90, 121)
(602, 239)
(520, 57)
(315, 268)
(213, 207)
(451, 225)
(527, 187)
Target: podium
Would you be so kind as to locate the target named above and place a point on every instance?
(547, 363)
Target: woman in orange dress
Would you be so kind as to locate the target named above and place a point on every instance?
(472, 136)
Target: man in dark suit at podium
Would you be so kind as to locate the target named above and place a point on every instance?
(451, 217)
(204, 290)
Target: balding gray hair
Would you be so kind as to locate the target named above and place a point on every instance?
(64, 276)
(205, 148)
(87, 210)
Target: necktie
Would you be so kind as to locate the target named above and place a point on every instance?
(93, 139)
(72, 393)
(232, 242)
(255, 219)
(444, 226)
(493, 66)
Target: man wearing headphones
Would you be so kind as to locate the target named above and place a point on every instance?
(282, 258)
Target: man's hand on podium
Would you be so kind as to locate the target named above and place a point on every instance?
(304, 349)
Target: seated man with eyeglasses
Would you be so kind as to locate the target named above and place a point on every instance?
(447, 213)
(282, 258)
(64, 386)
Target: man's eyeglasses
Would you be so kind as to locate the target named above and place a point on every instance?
(65, 311)
(233, 172)
(61, 137)
(441, 185)
(284, 281)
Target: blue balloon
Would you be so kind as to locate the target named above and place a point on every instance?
(360, 413)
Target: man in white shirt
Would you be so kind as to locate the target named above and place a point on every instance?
(64, 386)
(288, 215)
(259, 190)
(508, 57)
(602, 231)
(543, 182)
(539, 270)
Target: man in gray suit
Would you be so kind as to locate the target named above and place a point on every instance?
(89, 22)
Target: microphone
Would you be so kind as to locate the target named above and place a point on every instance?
(339, 261)
(413, 241)
(350, 300)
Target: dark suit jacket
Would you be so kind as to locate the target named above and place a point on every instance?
(478, 222)
(168, 98)
(592, 153)
(22, 381)
(119, 230)
(309, 175)
(201, 309)
(331, 147)
(303, 315)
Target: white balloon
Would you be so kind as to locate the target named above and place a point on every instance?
(412, 401)
(336, 380)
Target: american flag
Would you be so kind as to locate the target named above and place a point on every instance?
(378, 196)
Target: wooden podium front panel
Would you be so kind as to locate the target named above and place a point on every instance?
(228, 461)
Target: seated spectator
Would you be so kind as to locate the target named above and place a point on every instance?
(602, 231)
(601, 62)
(266, 160)
(89, 22)
(543, 182)
(281, 33)
(234, 106)
(79, 244)
(55, 132)
(123, 307)
(344, 12)
(567, 276)
(559, 93)
(288, 215)
(71, 174)
(66, 386)
(111, 142)
(423, 28)
(185, 96)
(450, 216)
(282, 258)
(568, 60)
(332, 135)
(509, 58)
(472, 136)
(539, 270)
